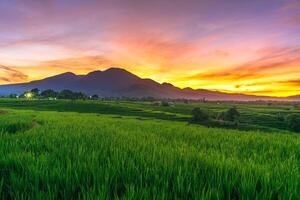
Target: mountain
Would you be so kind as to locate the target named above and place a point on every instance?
(117, 82)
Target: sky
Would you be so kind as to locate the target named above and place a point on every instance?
(235, 46)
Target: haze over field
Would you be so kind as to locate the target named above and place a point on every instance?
(250, 47)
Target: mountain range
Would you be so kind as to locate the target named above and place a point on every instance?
(117, 82)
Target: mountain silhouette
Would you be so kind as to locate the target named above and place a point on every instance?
(117, 82)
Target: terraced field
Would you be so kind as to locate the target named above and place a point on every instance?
(136, 150)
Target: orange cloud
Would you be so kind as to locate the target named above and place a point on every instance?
(8, 75)
(256, 76)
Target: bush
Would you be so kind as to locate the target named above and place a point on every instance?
(232, 114)
(280, 117)
(165, 103)
(293, 122)
(156, 103)
(95, 97)
(35, 92)
(66, 94)
(13, 96)
(199, 115)
(49, 94)
(222, 116)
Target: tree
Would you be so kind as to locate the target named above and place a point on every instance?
(199, 115)
(66, 94)
(95, 97)
(13, 96)
(280, 117)
(49, 93)
(232, 114)
(293, 122)
(35, 92)
(222, 116)
(165, 103)
(79, 95)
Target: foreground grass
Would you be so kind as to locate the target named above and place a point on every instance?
(51, 155)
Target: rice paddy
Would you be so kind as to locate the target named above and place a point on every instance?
(134, 150)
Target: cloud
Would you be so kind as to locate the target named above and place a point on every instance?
(160, 51)
(290, 13)
(85, 62)
(275, 60)
(272, 69)
(291, 83)
(8, 74)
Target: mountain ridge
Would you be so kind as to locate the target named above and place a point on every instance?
(118, 82)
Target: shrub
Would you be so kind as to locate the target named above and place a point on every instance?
(66, 94)
(280, 117)
(13, 96)
(222, 116)
(35, 92)
(95, 97)
(199, 115)
(49, 94)
(232, 114)
(156, 103)
(165, 103)
(293, 122)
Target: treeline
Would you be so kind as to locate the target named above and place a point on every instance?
(69, 94)
(51, 94)
(231, 119)
(205, 117)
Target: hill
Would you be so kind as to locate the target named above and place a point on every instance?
(117, 82)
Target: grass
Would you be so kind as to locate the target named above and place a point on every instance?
(82, 155)
(254, 116)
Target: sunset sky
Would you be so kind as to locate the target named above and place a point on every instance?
(251, 47)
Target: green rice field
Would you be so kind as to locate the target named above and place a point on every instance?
(137, 150)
